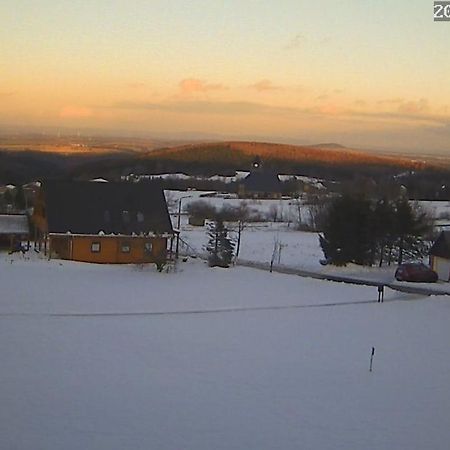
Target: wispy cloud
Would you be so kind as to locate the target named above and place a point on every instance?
(264, 86)
(7, 94)
(414, 107)
(328, 110)
(75, 112)
(192, 85)
(136, 85)
(408, 116)
(207, 107)
(328, 94)
(402, 109)
(296, 42)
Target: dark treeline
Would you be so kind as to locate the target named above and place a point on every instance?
(427, 184)
(368, 232)
(25, 166)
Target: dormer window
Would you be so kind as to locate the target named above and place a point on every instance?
(140, 216)
(107, 216)
(126, 216)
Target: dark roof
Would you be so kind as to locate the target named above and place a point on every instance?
(83, 207)
(441, 247)
(262, 181)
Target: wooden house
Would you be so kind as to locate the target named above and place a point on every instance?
(260, 183)
(264, 184)
(103, 222)
(440, 256)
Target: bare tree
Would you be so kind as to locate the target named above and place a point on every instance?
(277, 246)
(296, 207)
(273, 213)
(317, 207)
(243, 213)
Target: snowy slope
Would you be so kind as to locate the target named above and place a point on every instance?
(115, 357)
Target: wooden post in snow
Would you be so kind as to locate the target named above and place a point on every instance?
(371, 359)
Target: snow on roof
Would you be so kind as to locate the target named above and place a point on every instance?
(99, 180)
(286, 177)
(13, 224)
(240, 174)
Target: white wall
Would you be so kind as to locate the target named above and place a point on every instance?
(442, 267)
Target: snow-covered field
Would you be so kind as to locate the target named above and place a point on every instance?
(120, 357)
(299, 249)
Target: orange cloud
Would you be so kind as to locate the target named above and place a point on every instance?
(330, 109)
(7, 93)
(75, 112)
(264, 86)
(191, 85)
(413, 107)
(136, 85)
(360, 103)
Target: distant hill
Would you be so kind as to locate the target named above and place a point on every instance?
(21, 162)
(241, 154)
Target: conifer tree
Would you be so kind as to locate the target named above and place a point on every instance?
(347, 231)
(220, 247)
(362, 231)
(410, 226)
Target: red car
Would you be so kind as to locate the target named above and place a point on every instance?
(418, 272)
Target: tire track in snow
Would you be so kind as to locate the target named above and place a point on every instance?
(197, 311)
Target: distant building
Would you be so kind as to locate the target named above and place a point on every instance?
(260, 183)
(103, 222)
(440, 256)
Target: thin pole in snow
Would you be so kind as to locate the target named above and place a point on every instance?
(371, 359)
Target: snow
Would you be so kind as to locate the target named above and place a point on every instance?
(436, 209)
(115, 357)
(238, 176)
(300, 250)
(286, 207)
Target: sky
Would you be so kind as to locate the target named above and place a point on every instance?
(363, 73)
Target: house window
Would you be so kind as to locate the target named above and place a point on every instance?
(148, 248)
(126, 247)
(95, 247)
(140, 216)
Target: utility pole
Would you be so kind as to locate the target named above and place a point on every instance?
(179, 224)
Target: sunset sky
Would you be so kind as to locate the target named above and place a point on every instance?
(365, 73)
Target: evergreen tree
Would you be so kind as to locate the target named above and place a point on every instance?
(220, 247)
(383, 230)
(347, 233)
(360, 231)
(411, 225)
